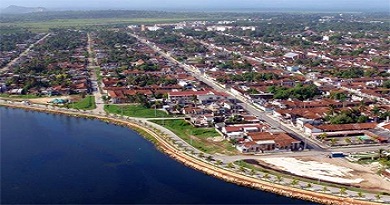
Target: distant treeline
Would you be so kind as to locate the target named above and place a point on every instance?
(96, 14)
(45, 16)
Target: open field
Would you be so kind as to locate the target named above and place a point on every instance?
(337, 170)
(134, 111)
(87, 103)
(44, 26)
(200, 138)
(18, 96)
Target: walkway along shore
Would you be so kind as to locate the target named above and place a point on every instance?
(208, 168)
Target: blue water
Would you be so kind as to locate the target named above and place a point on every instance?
(47, 159)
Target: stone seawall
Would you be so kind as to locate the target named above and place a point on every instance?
(210, 169)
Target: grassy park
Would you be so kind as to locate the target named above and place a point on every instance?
(87, 103)
(200, 138)
(28, 96)
(134, 111)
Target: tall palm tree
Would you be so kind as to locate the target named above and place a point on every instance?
(325, 189)
(360, 194)
(343, 191)
(333, 141)
(378, 196)
(294, 182)
(279, 178)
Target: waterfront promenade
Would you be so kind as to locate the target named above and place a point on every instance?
(169, 145)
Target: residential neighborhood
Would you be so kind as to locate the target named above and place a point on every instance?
(271, 91)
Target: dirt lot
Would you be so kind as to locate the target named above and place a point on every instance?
(48, 99)
(371, 180)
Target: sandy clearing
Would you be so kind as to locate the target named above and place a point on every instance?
(367, 173)
(48, 99)
(314, 169)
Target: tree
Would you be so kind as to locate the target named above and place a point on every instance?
(308, 185)
(333, 141)
(332, 109)
(209, 158)
(218, 162)
(386, 84)
(343, 191)
(375, 110)
(266, 176)
(360, 194)
(323, 136)
(279, 178)
(378, 196)
(252, 172)
(325, 189)
(294, 182)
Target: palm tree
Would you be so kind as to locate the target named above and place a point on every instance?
(279, 178)
(360, 194)
(230, 165)
(333, 141)
(266, 176)
(325, 189)
(252, 172)
(201, 155)
(294, 182)
(209, 158)
(343, 191)
(308, 185)
(218, 162)
(323, 136)
(378, 196)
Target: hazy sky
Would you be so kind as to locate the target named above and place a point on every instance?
(203, 4)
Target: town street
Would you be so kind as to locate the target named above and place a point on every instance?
(247, 105)
(96, 90)
(24, 53)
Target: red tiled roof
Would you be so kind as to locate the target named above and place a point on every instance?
(345, 127)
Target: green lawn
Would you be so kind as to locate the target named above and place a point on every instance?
(44, 26)
(28, 96)
(135, 111)
(87, 103)
(199, 138)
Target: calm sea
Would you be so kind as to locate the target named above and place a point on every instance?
(52, 159)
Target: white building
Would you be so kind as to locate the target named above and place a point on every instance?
(153, 28)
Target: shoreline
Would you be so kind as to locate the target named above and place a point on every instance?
(209, 169)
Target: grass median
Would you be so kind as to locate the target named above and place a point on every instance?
(135, 111)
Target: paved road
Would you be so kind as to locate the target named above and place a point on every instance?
(24, 53)
(247, 105)
(96, 90)
(228, 159)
